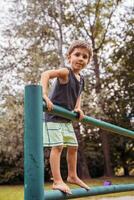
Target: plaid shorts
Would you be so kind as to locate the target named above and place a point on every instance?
(55, 134)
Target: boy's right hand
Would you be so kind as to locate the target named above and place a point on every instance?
(49, 104)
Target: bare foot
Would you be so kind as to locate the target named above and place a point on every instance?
(62, 187)
(77, 181)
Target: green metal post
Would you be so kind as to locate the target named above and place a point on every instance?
(33, 144)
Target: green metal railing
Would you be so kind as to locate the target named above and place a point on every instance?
(33, 149)
(98, 123)
(80, 192)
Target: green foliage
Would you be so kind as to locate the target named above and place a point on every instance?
(119, 100)
(11, 170)
(94, 155)
(11, 140)
(122, 156)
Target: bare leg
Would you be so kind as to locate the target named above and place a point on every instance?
(58, 183)
(72, 168)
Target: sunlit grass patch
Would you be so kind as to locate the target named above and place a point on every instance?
(11, 192)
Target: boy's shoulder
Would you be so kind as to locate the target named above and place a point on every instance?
(64, 70)
(63, 74)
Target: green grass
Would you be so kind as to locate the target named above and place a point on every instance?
(17, 192)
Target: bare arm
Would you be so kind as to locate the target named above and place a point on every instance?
(78, 108)
(78, 103)
(62, 74)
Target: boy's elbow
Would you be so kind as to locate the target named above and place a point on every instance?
(44, 75)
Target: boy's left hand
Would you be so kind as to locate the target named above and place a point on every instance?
(81, 113)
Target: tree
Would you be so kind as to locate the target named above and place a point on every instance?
(120, 100)
(94, 20)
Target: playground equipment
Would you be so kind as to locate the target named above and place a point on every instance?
(33, 149)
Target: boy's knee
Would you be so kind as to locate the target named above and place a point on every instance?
(57, 148)
(73, 149)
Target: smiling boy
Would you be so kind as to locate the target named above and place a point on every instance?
(58, 131)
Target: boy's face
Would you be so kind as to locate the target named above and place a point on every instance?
(79, 58)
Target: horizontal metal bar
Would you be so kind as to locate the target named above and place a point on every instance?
(80, 192)
(95, 122)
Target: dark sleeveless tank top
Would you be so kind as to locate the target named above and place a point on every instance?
(65, 95)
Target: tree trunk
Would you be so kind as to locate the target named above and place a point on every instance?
(126, 171)
(106, 151)
(104, 137)
(82, 167)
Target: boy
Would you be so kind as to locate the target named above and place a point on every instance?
(58, 131)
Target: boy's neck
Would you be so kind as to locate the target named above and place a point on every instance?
(76, 72)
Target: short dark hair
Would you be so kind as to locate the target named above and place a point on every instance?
(81, 44)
